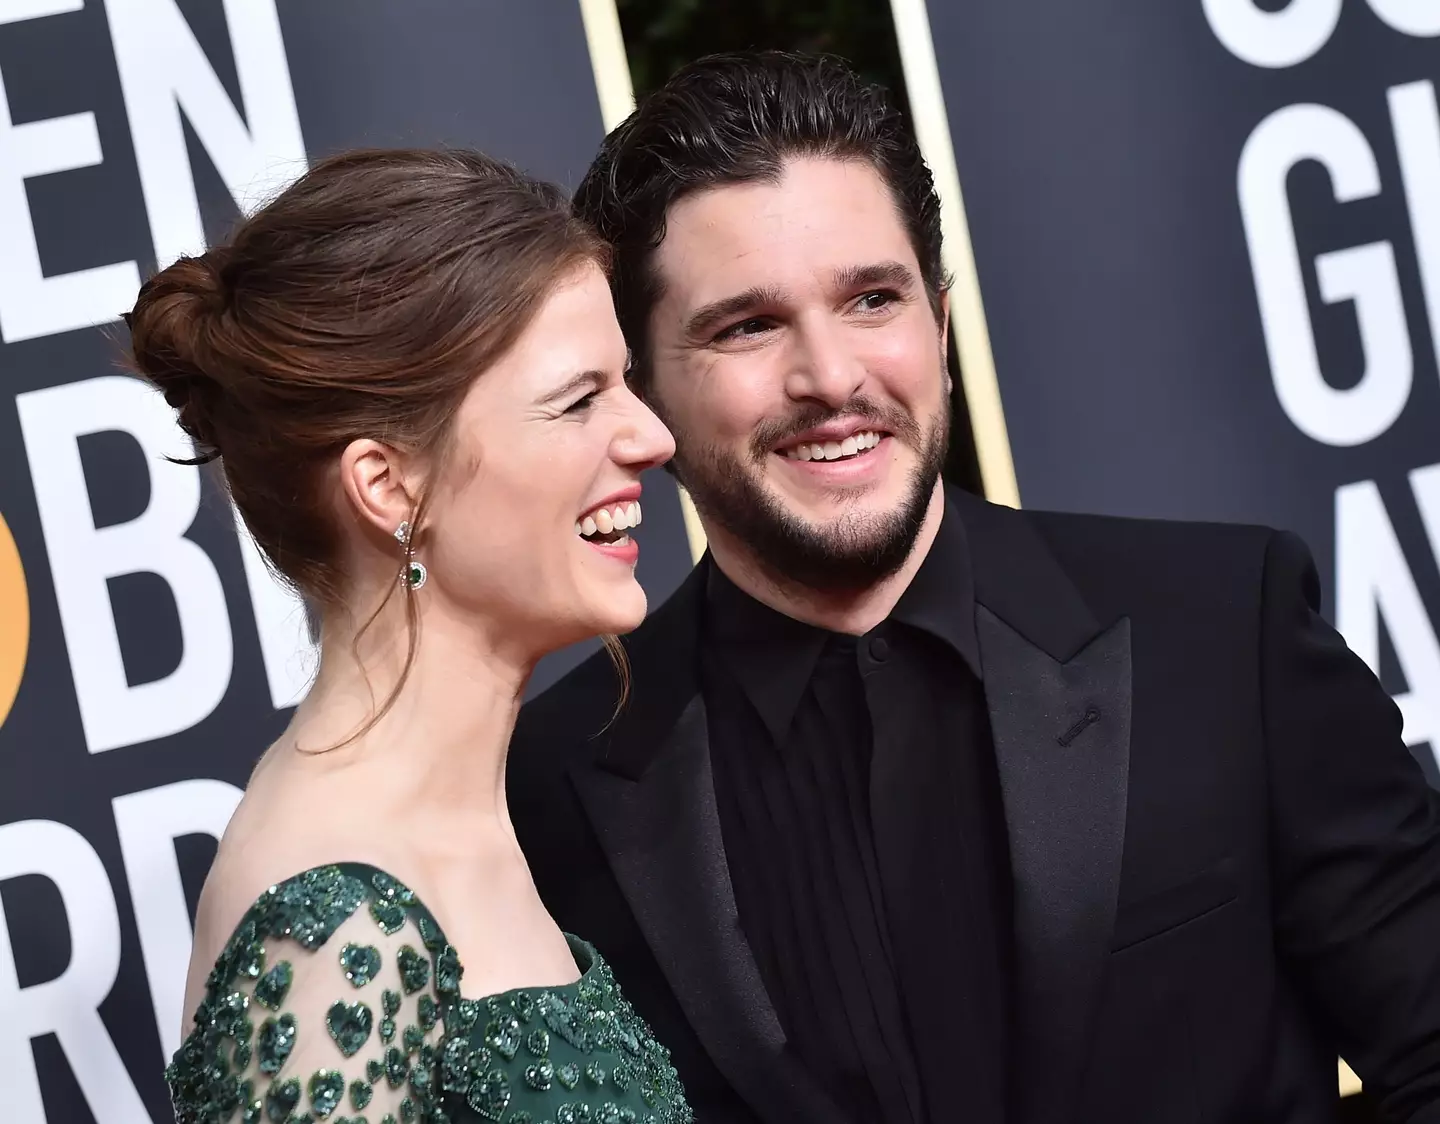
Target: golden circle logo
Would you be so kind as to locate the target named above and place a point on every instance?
(14, 620)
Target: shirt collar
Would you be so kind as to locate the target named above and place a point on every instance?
(773, 656)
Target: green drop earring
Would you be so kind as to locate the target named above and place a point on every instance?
(413, 575)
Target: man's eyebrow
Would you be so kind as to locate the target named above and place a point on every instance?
(875, 274)
(591, 379)
(708, 317)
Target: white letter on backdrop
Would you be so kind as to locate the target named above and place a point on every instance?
(1364, 275)
(149, 822)
(31, 304)
(67, 1006)
(82, 556)
(163, 71)
(1272, 39)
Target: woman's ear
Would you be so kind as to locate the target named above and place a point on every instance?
(374, 480)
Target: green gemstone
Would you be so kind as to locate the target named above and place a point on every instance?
(360, 1094)
(538, 1043)
(277, 1039)
(349, 1025)
(254, 1112)
(387, 1029)
(390, 1003)
(360, 962)
(595, 1073)
(274, 985)
(523, 1005)
(389, 915)
(503, 1034)
(539, 1076)
(281, 1099)
(489, 1094)
(397, 1067)
(414, 969)
(428, 1012)
(407, 1111)
(374, 1071)
(568, 1075)
(326, 1088)
(623, 1075)
(609, 1113)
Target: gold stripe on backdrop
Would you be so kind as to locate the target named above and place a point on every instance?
(967, 311)
(617, 99)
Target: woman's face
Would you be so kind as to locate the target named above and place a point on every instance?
(530, 524)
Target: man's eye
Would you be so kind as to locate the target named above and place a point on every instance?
(874, 302)
(581, 405)
(752, 327)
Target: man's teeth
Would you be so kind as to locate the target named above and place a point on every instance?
(608, 520)
(834, 450)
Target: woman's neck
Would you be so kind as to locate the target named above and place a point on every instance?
(441, 743)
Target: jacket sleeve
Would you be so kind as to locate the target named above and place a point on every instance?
(1355, 838)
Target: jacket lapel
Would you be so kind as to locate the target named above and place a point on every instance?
(1058, 691)
(651, 801)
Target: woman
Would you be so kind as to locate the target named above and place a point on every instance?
(410, 368)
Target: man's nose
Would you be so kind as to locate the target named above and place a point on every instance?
(825, 369)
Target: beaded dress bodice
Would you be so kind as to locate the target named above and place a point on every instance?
(338, 999)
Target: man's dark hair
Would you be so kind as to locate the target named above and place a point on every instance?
(736, 118)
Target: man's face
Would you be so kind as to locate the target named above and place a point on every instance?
(798, 361)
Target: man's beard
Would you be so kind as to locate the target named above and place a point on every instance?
(847, 554)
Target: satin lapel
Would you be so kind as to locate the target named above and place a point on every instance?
(1062, 744)
(1058, 691)
(651, 800)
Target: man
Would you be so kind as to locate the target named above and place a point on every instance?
(925, 809)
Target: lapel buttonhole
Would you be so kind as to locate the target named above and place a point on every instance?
(1085, 721)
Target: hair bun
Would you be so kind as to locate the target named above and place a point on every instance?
(172, 332)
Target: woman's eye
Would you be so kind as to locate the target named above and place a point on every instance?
(581, 405)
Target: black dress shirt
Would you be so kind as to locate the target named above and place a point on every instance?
(860, 809)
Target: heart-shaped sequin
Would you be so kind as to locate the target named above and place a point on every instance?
(414, 969)
(274, 986)
(568, 1074)
(349, 1025)
(281, 1098)
(503, 1036)
(360, 1094)
(360, 963)
(489, 1094)
(539, 1077)
(277, 1039)
(326, 1089)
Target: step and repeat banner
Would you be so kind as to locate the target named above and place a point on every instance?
(1207, 234)
(146, 657)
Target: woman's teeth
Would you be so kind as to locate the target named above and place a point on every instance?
(833, 450)
(609, 521)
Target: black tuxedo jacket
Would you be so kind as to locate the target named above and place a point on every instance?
(1226, 864)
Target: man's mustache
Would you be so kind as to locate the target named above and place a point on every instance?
(891, 419)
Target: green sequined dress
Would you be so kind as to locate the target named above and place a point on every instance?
(338, 999)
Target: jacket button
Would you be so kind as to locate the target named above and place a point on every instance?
(879, 649)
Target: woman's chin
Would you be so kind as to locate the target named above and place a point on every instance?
(619, 611)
